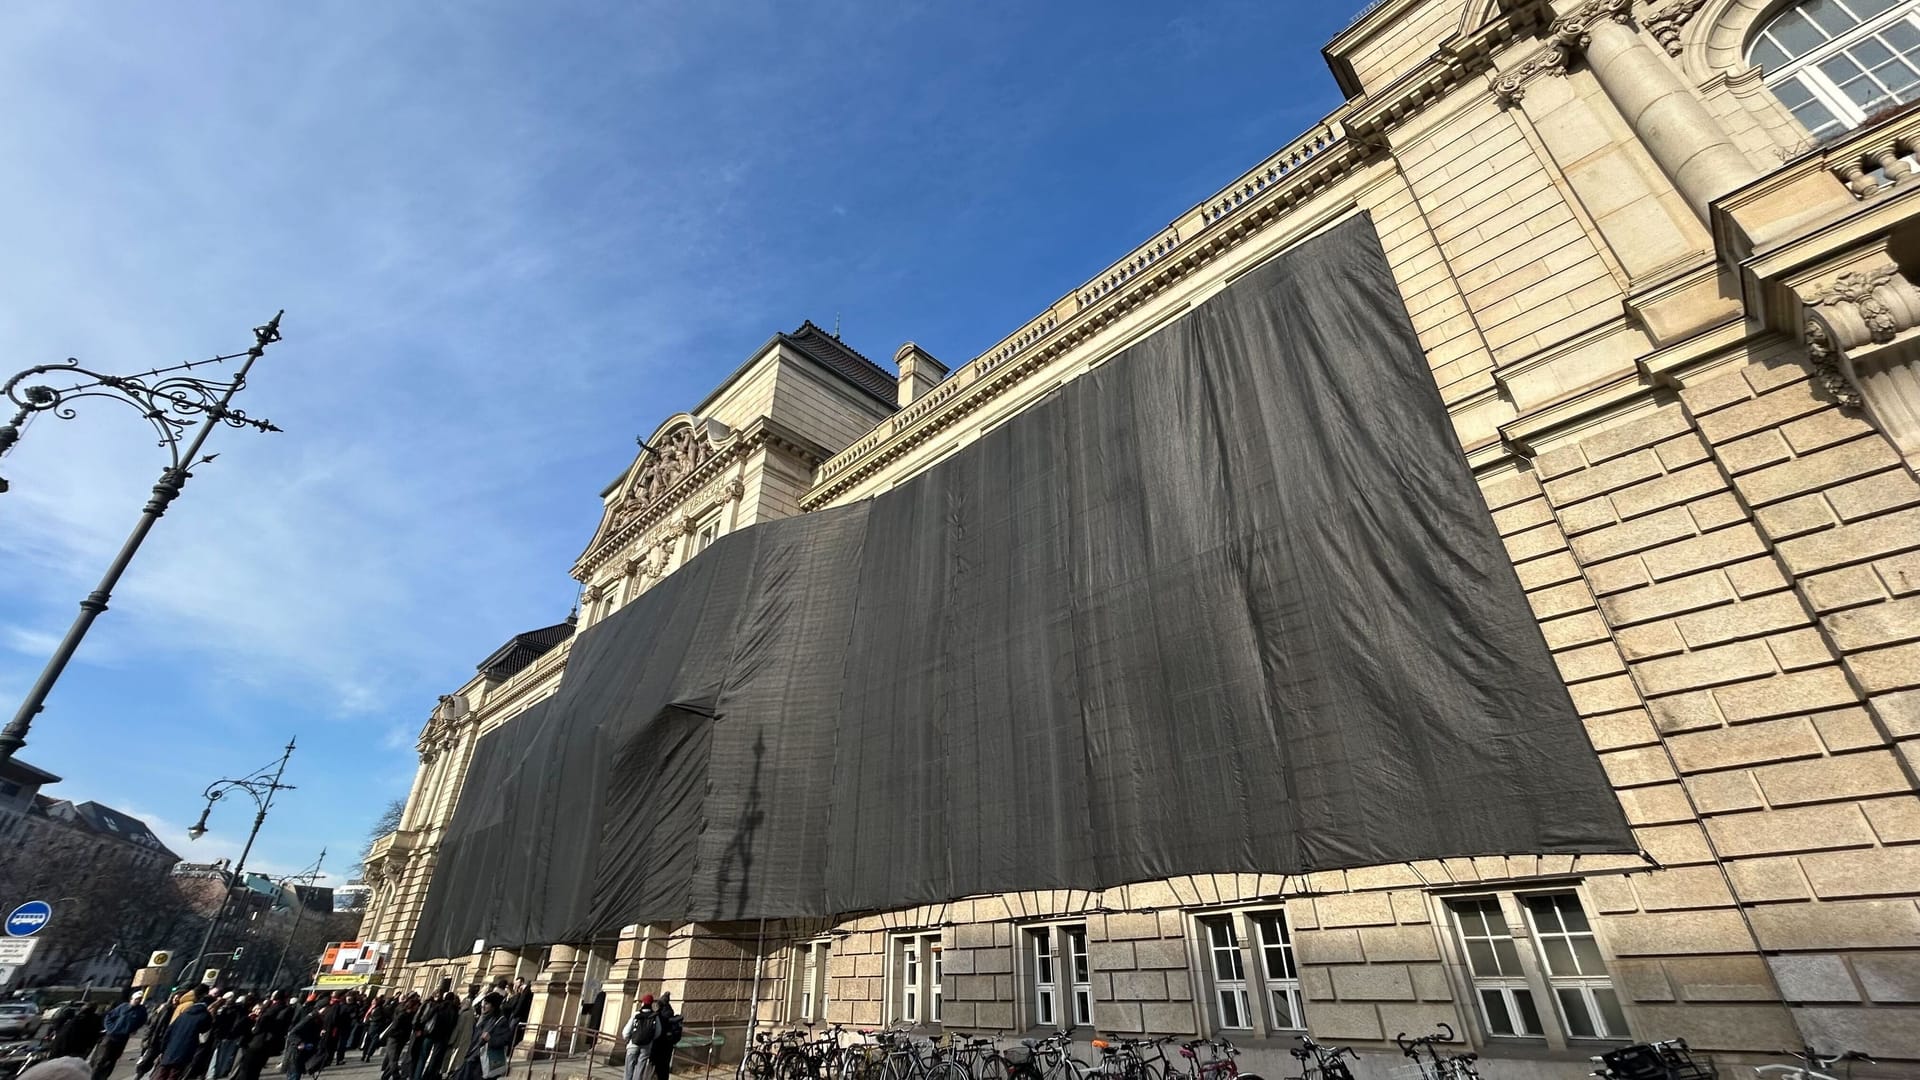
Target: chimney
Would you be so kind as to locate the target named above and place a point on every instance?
(919, 372)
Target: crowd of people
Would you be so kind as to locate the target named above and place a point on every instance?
(197, 1034)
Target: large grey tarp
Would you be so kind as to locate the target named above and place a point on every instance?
(1229, 602)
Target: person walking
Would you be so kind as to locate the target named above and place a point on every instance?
(395, 1038)
(642, 1029)
(489, 1050)
(122, 1023)
(186, 1032)
(660, 1054)
(304, 1041)
(379, 1014)
(230, 1027)
(80, 1034)
(155, 1038)
(459, 1031)
(272, 1020)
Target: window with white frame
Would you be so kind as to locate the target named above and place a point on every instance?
(933, 984)
(706, 533)
(810, 980)
(1258, 993)
(1277, 972)
(1834, 63)
(1046, 978)
(1576, 974)
(916, 979)
(1082, 973)
(1499, 982)
(1229, 970)
(1059, 973)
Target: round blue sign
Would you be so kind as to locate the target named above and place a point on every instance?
(29, 918)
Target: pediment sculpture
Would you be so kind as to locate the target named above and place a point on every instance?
(671, 459)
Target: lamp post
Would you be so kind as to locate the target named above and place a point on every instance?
(299, 910)
(172, 403)
(263, 788)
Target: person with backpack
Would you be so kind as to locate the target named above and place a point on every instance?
(668, 1030)
(642, 1029)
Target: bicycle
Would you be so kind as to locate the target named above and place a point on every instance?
(1451, 1067)
(1670, 1059)
(1322, 1062)
(1219, 1065)
(1811, 1064)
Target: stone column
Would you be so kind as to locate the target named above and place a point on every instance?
(1664, 112)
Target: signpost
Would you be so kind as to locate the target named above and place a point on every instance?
(29, 918)
(15, 952)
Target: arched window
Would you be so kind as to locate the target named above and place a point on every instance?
(1836, 62)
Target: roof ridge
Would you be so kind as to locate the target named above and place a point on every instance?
(809, 338)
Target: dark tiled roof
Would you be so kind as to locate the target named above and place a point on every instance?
(523, 649)
(121, 826)
(22, 773)
(833, 354)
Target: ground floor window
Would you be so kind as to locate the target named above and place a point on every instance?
(916, 978)
(1059, 976)
(810, 980)
(1258, 993)
(1563, 966)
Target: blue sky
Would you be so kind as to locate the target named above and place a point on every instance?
(509, 238)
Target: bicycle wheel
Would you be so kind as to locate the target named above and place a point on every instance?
(990, 1066)
(792, 1065)
(758, 1066)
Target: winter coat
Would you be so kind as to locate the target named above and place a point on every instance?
(183, 1034)
(124, 1019)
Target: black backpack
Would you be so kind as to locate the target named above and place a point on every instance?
(672, 1027)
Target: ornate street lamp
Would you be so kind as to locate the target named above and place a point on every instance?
(172, 403)
(263, 788)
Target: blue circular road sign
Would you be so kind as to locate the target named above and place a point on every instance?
(29, 918)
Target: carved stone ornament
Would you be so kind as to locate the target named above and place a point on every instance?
(1826, 368)
(1575, 31)
(1861, 289)
(1667, 24)
(688, 524)
(594, 593)
(1566, 38)
(736, 488)
(635, 565)
(1511, 87)
(672, 459)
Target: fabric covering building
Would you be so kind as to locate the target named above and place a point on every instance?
(1657, 257)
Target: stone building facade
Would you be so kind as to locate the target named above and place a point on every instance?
(1662, 257)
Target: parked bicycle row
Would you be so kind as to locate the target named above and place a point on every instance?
(899, 1054)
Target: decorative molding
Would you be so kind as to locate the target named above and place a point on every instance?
(736, 489)
(1826, 367)
(1667, 24)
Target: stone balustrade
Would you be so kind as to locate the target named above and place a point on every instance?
(1876, 158)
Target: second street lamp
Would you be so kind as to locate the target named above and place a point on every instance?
(263, 788)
